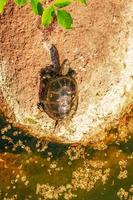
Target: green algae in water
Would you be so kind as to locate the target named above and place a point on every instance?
(37, 170)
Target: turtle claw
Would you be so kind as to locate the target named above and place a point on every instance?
(41, 106)
(48, 72)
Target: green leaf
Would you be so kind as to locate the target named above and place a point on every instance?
(62, 3)
(20, 2)
(83, 1)
(48, 16)
(64, 19)
(37, 7)
(2, 4)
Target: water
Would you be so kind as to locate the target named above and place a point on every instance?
(37, 170)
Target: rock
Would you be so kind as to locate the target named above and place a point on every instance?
(99, 48)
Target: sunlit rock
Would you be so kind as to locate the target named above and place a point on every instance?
(99, 48)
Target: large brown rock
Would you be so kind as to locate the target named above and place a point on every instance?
(99, 48)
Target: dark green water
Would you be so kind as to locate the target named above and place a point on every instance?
(33, 169)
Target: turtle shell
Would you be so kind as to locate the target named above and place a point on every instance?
(61, 98)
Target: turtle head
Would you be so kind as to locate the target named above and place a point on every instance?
(65, 67)
(55, 58)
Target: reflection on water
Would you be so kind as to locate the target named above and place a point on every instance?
(37, 170)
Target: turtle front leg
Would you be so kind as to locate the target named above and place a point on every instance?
(72, 72)
(41, 106)
(48, 72)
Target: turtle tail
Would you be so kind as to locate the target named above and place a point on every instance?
(55, 126)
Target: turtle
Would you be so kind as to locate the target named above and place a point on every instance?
(58, 96)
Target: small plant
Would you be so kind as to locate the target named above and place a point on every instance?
(48, 11)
